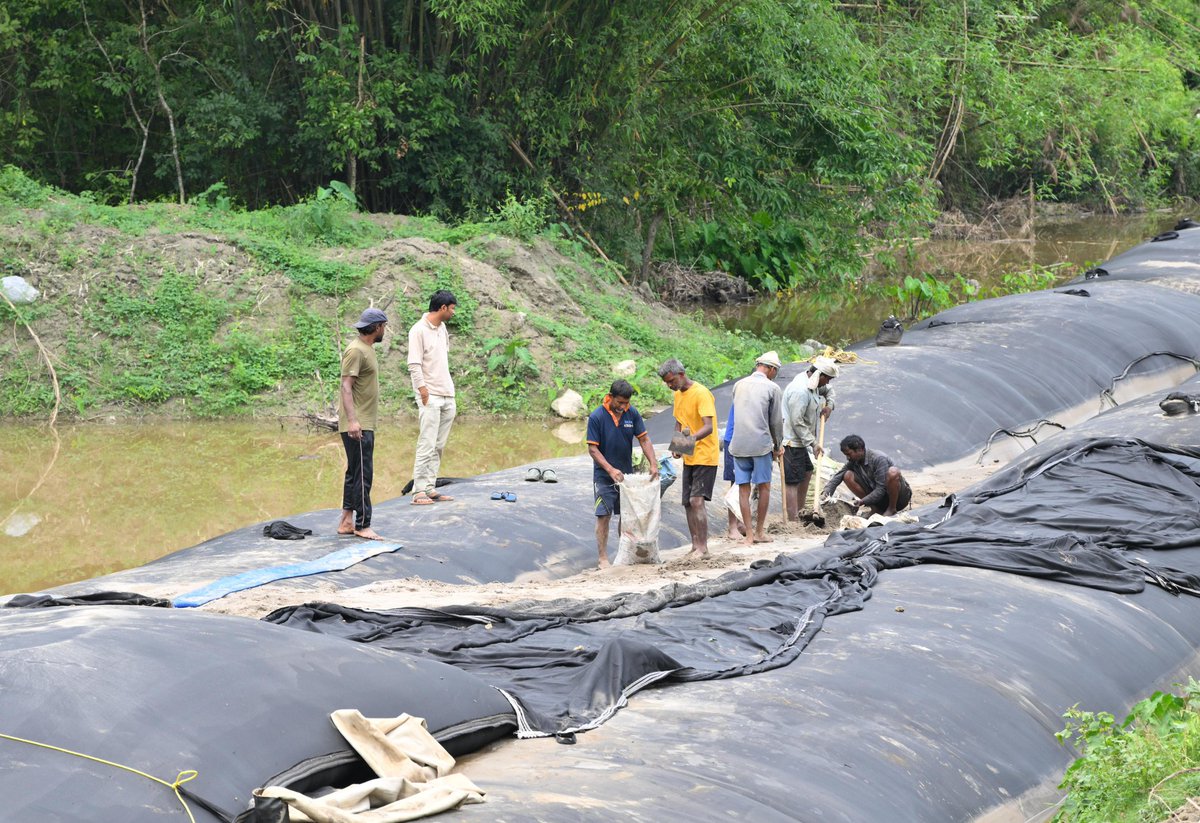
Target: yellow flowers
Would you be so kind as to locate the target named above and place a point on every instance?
(591, 199)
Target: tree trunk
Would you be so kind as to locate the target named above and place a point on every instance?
(352, 156)
(648, 249)
(162, 102)
(143, 125)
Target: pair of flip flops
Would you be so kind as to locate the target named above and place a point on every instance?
(544, 475)
(508, 496)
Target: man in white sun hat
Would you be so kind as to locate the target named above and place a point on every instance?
(757, 439)
(806, 400)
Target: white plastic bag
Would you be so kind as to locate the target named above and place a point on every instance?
(733, 502)
(18, 290)
(641, 515)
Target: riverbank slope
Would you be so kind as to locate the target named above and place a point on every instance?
(205, 311)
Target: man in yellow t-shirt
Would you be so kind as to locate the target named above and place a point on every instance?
(695, 418)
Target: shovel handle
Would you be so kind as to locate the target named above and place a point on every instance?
(817, 468)
(782, 488)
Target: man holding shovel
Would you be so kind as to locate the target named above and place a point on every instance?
(807, 400)
(611, 429)
(757, 439)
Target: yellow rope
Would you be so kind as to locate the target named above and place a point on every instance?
(841, 356)
(183, 777)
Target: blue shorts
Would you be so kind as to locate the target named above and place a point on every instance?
(752, 469)
(608, 497)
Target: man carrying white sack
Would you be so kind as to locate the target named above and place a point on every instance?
(612, 428)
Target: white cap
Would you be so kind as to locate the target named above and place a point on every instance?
(826, 366)
(770, 358)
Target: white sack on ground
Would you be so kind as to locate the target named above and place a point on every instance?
(413, 769)
(641, 516)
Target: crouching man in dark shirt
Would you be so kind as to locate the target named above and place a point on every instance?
(872, 478)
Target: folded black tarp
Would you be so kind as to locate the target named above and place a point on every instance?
(1105, 515)
(241, 702)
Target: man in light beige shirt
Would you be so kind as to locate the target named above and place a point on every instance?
(429, 366)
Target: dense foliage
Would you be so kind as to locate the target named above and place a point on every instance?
(771, 138)
(1139, 770)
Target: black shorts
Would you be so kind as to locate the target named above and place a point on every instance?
(697, 481)
(796, 465)
(608, 497)
(902, 499)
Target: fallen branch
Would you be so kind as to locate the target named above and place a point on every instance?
(45, 357)
(567, 211)
(53, 414)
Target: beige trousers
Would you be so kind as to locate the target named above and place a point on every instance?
(435, 419)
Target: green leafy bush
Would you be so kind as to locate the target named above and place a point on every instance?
(1138, 770)
(17, 189)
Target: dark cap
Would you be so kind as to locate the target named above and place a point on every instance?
(370, 317)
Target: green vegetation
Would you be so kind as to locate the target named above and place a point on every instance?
(210, 309)
(916, 298)
(776, 139)
(1138, 770)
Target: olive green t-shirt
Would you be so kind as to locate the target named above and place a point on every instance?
(358, 361)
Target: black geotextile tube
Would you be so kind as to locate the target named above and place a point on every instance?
(982, 368)
(241, 702)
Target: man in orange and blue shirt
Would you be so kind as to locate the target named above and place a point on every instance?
(612, 427)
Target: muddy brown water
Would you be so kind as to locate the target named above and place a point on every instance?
(109, 496)
(123, 494)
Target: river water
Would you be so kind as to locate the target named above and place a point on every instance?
(100, 497)
(1070, 245)
(103, 497)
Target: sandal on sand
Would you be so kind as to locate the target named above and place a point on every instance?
(422, 499)
(534, 475)
(549, 476)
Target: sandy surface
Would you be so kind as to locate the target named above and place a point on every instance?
(676, 567)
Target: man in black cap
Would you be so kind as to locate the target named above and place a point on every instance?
(358, 411)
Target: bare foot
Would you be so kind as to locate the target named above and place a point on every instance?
(368, 534)
(696, 553)
(345, 525)
(733, 536)
(604, 564)
(762, 538)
